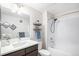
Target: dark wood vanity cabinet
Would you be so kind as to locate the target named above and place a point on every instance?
(17, 53)
(30, 51)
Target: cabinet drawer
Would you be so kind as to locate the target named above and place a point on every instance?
(34, 53)
(17, 53)
(32, 48)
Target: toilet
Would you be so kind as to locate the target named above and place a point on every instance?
(53, 52)
(44, 52)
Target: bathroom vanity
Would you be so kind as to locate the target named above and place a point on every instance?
(21, 48)
(30, 51)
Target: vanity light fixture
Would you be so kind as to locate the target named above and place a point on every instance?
(18, 8)
(14, 7)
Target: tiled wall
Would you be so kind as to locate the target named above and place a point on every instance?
(50, 35)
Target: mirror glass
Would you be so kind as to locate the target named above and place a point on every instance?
(17, 20)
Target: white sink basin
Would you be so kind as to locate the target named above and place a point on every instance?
(4, 43)
(19, 44)
(16, 44)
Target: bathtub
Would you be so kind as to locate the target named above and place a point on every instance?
(57, 52)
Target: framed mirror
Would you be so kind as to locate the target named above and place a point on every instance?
(18, 22)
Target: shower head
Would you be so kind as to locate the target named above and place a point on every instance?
(55, 19)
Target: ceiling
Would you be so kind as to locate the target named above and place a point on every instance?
(40, 6)
(8, 11)
(55, 8)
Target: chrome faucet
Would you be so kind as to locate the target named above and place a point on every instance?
(6, 37)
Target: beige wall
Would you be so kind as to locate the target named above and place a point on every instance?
(0, 20)
(44, 29)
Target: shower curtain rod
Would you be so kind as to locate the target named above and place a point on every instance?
(67, 14)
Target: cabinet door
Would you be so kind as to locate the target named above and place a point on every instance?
(31, 49)
(17, 53)
(34, 53)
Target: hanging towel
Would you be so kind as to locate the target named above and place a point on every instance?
(38, 35)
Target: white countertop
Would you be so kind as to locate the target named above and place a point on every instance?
(13, 47)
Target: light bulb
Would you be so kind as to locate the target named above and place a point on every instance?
(19, 12)
(14, 11)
